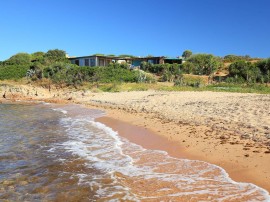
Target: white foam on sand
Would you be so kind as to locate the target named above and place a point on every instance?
(60, 110)
(116, 158)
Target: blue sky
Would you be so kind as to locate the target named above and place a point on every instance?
(137, 27)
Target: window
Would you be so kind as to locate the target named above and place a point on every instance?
(92, 62)
(77, 62)
(101, 62)
(151, 61)
(86, 62)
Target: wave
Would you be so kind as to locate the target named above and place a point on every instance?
(127, 171)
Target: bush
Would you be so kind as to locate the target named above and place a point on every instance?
(156, 69)
(190, 80)
(144, 77)
(242, 70)
(194, 81)
(123, 65)
(168, 72)
(188, 67)
(204, 64)
(13, 71)
(111, 74)
(264, 67)
(19, 59)
(234, 58)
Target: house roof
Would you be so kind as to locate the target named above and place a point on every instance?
(117, 57)
(170, 58)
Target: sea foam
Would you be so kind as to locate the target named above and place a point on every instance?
(123, 166)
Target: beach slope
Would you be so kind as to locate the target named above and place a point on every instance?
(231, 130)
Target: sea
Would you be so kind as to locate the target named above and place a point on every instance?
(51, 152)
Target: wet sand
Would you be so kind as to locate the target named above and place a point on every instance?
(137, 130)
(231, 130)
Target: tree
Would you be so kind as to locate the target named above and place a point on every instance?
(38, 69)
(231, 58)
(19, 59)
(205, 63)
(188, 67)
(264, 67)
(55, 55)
(38, 57)
(143, 65)
(186, 54)
(234, 58)
(245, 70)
(235, 68)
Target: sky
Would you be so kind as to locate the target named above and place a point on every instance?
(135, 27)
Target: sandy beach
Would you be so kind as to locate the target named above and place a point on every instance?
(231, 130)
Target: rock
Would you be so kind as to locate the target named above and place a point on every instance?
(8, 182)
(249, 145)
(223, 142)
(224, 137)
(267, 152)
(256, 139)
(245, 136)
(246, 155)
(23, 183)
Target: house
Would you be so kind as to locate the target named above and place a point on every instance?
(177, 60)
(92, 60)
(101, 60)
(136, 61)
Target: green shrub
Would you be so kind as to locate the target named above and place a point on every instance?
(19, 59)
(264, 67)
(242, 70)
(234, 58)
(111, 74)
(13, 71)
(188, 67)
(156, 69)
(144, 77)
(204, 64)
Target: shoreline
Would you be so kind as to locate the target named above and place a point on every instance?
(187, 135)
(121, 122)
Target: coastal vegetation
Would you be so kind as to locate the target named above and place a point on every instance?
(186, 54)
(198, 72)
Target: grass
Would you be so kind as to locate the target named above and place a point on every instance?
(240, 88)
(221, 87)
(191, 79)
(160, 86)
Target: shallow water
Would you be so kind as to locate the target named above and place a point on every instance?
(59, 153)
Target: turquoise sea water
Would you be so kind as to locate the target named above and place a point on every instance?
(60, 153)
